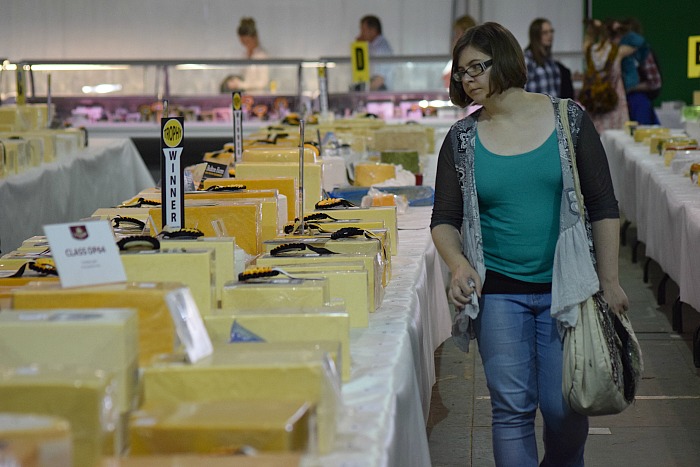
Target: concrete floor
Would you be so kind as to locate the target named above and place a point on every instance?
(661, 429)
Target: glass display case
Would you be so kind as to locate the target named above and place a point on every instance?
(88, 91)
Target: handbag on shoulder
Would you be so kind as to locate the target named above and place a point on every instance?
(602, 362)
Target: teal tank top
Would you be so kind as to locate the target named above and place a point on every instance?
(519, 200)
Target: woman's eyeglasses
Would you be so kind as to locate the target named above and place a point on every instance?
(472, 70)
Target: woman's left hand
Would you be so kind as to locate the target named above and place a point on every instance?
(616, 299)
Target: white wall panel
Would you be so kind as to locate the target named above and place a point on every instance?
(166, 29)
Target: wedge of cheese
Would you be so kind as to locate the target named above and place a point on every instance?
(216, 427)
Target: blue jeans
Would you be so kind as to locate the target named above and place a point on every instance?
(522, 355)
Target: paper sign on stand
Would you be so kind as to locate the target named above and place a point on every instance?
(85, 253)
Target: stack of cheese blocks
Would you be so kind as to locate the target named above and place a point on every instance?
(27, 142)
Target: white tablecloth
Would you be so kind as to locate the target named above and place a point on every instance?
(664, 206)
(387, 399)
(104, 174)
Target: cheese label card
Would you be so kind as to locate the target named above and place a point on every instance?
(85, 253)
(189, 325)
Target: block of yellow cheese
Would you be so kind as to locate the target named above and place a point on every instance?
(351, 245)
(242, 221)
(216, 427)
(346, 281)
(263, 459)
(275, 153)
(371, 173)
(387, 214)
(98, 339)
(156, 330)
(35, 440)
(286, 186)
(275, 293)
(273, 204)
(312, 176)
(192, 267)
(283, 325)
(370, 264)
(83, 398)
(224, 259)
(256, 371)
(642, 134)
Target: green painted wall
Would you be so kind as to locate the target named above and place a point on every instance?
(667, 25)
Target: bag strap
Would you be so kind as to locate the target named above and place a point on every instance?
(564, 114)
(611, 57)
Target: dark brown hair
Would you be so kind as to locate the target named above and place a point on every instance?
(372, 22)
(247, 27)
(508, 68)
(539, 52)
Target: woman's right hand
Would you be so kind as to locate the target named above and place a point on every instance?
(464, 281)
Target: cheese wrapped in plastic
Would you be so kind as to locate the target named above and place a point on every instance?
(194, 268)
(360, 244)
(283, 325)
(346, 281)
(35, 440)
(266, 459)
(224, 259)
(312, 176)
(83, 398)
(275, 293)
(256, 371)
(216, 427)
(370, 263)
(98, 339)
(242, 221)
(275, 153)
(287, 186)
(387, 214)
(371, 173)
(156, 330)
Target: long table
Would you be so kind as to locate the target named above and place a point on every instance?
(105, 173)
(387, 400)
(664, 206)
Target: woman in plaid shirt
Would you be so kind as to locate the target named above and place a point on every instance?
(544, 75)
